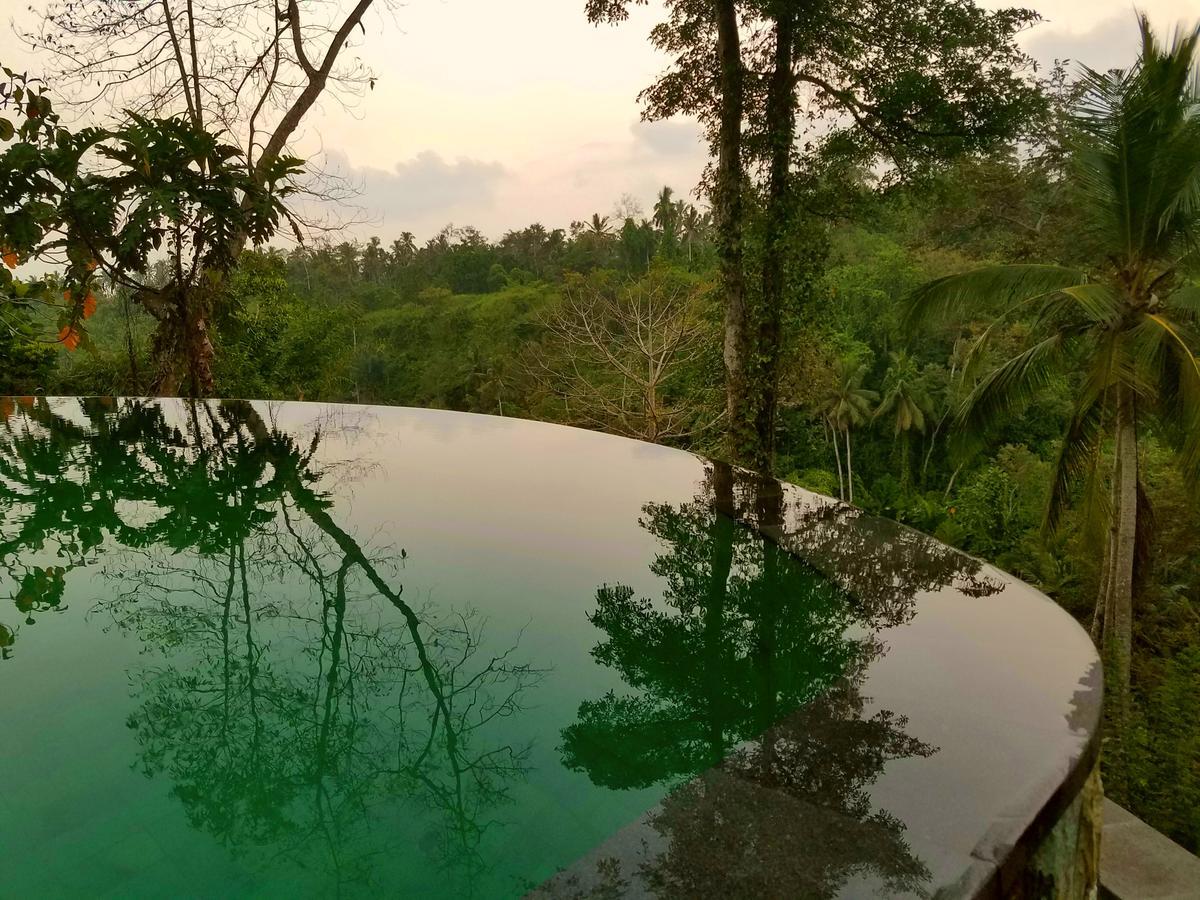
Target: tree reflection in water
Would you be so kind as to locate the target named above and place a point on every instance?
(295, 720)
(315, 721)
(747, 676)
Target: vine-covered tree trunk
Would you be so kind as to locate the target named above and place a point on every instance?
(781, 118)
(728, 214)
(183, 350)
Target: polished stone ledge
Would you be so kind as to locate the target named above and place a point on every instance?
(1139, 863)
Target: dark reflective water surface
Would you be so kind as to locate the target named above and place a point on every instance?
(299, 650)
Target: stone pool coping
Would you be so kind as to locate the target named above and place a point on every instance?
(1140, 863)
(1012, 845)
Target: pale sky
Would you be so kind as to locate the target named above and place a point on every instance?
(499, 114)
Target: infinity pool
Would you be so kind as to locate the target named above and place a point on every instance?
(293, 650)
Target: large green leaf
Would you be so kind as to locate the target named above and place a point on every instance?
(974, 292)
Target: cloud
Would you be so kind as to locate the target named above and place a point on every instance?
(1112, 43)
(426, 185)
(673, 137)
(567, 181)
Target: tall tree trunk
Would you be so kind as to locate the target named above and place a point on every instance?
(768, 346)
(905, 461)
(932, 446)
(183, 350)
(728, 214)
(130, 347)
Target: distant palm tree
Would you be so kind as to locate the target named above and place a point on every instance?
(907, 401)
(598, 227)
(1127, 326)
(695, 225)
(405, 248)
(665, 213)
(846, 406)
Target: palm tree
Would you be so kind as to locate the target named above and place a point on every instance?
(846, 406)
(666, 214)
(598, 227)
(1127, 326)
(404, 249)
(906, 399)
(694, 226)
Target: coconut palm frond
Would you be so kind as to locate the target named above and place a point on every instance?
(1185, 303)
(1007, 286)
(1138, 154)
(1177, 371)
(1078, 457)
(1106, 366)
(1181, 191)
(1100, 303)
(1011, 386)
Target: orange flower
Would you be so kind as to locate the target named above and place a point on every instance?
(11, 259)
(69, 337)
(67, 296)
(89, 305)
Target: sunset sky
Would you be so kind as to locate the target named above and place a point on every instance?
(501, 114)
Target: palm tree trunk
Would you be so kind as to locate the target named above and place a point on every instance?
(849, 471)
(837, 455)
(950, 483)
(1100, 616)
(1118, 628)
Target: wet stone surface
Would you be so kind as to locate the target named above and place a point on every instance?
(300, 650)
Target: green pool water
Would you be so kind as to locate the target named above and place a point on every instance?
(293, 651)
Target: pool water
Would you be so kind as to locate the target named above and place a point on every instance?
(292, 650)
